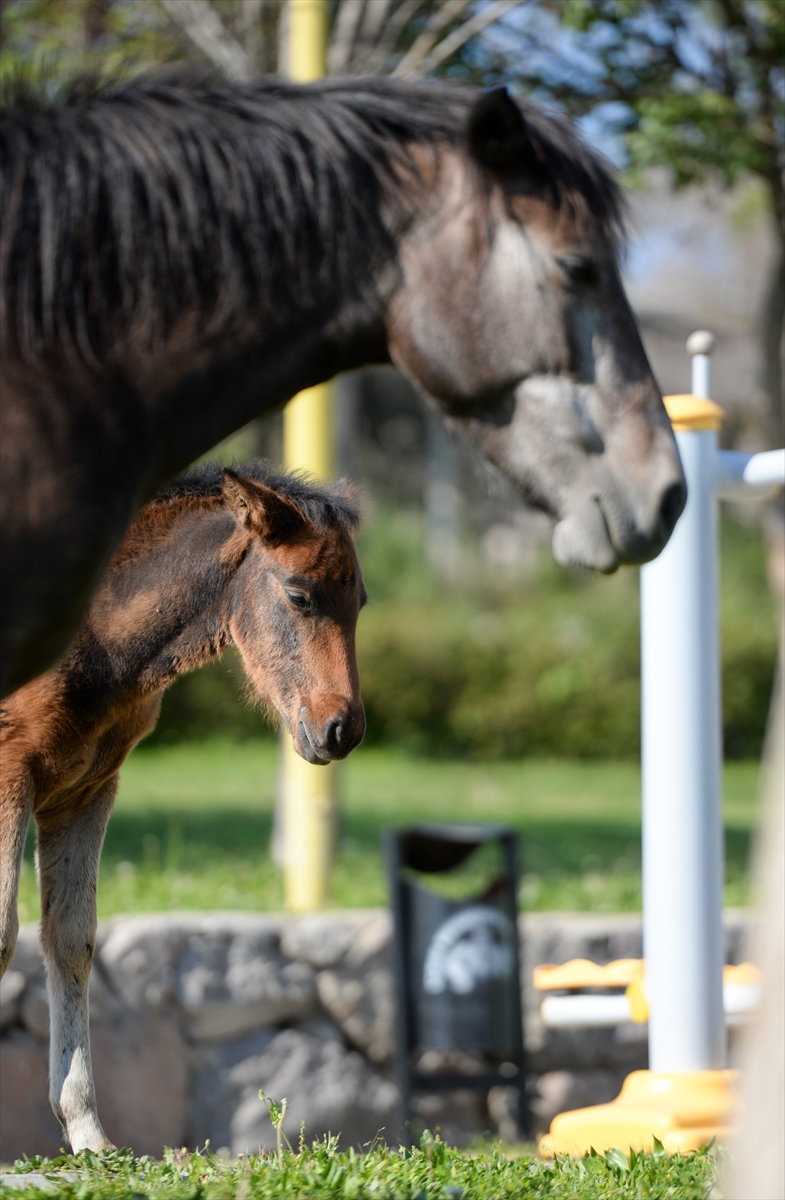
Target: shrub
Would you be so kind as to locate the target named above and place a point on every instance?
(544, 665)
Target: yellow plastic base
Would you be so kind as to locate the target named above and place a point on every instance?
(683, 1110)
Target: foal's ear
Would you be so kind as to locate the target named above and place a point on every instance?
(497, 134)
(256, 506)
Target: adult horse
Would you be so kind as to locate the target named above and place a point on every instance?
(176, 258)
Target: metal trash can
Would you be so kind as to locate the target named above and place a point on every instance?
(456, 962)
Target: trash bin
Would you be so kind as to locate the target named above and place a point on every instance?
(456, 963)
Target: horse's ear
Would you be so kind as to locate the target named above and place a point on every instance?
(497, 134)
(256, 506)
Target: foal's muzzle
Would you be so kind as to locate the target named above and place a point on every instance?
(320, 740)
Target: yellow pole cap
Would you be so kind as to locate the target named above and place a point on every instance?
(690, 412)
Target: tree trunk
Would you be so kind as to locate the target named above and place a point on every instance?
(773, 345)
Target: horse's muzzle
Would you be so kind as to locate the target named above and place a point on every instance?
(320, 741)
(616, 520)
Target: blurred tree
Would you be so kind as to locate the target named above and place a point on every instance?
(59, 38)
(410, 38)
(696, 85)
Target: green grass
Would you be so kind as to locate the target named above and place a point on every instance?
(192, 827)
(433, 1171)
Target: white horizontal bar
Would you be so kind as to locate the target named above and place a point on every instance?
(740, 1001)
(586, 1010)
(749, 476)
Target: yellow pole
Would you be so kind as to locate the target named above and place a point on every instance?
(307, 49)
(309, 793)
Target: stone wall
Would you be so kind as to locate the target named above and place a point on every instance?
(192, 1014)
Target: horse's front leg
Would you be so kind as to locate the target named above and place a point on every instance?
(69, 849)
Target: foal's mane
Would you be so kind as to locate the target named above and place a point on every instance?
(324, 507)
(127, 207)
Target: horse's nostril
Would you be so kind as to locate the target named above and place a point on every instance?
(672, 506)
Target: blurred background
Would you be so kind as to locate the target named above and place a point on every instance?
(497, 686)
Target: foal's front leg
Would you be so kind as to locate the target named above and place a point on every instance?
(16, 808)
(69, 849)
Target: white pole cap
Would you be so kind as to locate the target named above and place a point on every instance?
(701, 342)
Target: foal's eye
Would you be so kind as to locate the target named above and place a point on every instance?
(301, 600)
(581, 272)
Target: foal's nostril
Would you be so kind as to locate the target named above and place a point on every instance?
(335, 735)
(672, 506)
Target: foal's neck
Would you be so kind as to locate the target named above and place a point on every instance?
(162, 609)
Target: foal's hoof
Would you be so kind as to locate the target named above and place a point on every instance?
(95, 1148)
(97, 1141)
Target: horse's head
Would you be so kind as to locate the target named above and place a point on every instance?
(294, 610)
(510, 313)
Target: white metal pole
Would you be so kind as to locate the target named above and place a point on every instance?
(681, 736)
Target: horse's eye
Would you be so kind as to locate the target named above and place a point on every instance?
(581, 272)
(301, 600)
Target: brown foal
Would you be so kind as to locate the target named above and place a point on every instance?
(246, 558)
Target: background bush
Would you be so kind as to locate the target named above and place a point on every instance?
(542, 664)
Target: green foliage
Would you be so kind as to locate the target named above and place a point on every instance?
(546, 665)
(58, 40)
(696, 133)
(489, 679)
(431, 1171)
(543, 666)
(696, 85)
(210, 702)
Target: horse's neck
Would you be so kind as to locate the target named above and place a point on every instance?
(203, 394)
(163, 611)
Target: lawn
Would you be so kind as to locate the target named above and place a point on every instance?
(192, 827)
(433, 1171)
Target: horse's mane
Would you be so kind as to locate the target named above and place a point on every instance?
(128, 207)
(325, 507)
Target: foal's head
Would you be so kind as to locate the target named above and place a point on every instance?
(294, 609)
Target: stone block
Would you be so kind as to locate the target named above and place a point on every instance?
(372, 939)
(213, 1094)
(34, 1010)
(27, 956)
(228, 986)
(329, 1088)
(141, 1081)
(322, 940)
(27, 1123)
(359, 993)
(137, 955)
(12, 985)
